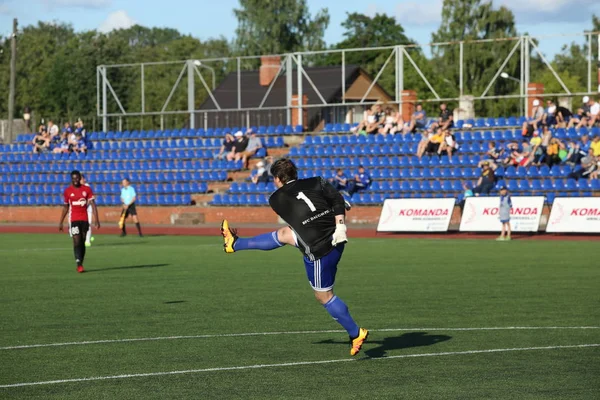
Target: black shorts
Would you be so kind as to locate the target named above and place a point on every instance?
(131, 210)
(79, 228)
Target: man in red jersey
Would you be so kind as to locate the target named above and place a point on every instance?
(77, 198)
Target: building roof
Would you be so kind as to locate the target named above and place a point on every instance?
(328, 80)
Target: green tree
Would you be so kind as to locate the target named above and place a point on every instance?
(467, 20)
(276, 27)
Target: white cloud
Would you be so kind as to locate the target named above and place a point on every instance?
(530, 12)
(77, 3)
(116, 20)
(425, 12)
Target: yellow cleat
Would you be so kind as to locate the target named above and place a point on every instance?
(358, 341)
(229, 237)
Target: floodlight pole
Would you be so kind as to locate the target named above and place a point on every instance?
(191, 93)
(13, 77)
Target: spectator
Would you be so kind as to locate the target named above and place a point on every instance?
(253, 145)
(487, 180)
(239, 145)
(361, 181)
(552, 157)
(375, 120)
(510, 149)
(340, 181)
(448, 145)
(595, 146)
(494, 153)
(53, 130)
(594, 113)
(468, 192)
(79, 128)
(585, 144)
(67, 128)
(423, 144)
(579, 119)
(41, 142)
(418, 120)
(538, 154)
(445, 119)
(563, 116)
(435, 142)
(63, 145)
(549, 118)
(537, 114)
(588, 169)
(79, 145)
(393, 122)
(226, 147)
(260, 173)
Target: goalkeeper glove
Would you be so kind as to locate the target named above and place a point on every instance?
(339, 236)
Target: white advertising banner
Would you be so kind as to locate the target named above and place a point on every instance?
(575, 214)
(416, 215)
(480, 214)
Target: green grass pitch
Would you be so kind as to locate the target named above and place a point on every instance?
(413, 294)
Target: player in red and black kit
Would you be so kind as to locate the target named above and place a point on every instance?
(77, 199)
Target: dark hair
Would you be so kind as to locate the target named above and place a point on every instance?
(127, 179)
(76, 172)
(285, 170)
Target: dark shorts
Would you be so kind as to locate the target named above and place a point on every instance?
(79, 228)
(321, 272)
(131, 210)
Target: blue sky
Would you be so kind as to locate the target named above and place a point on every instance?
(419, 18)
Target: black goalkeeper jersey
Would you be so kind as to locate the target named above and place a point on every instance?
(309, 207)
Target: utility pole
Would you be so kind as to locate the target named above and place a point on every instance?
(13, 74)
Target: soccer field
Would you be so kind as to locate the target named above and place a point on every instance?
(174, 317)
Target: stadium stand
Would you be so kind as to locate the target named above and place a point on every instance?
(170, 166)
(167, 167)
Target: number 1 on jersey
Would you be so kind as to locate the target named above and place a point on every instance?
(302, 196)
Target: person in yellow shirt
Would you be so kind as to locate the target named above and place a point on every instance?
(552, 150)
(595, 146)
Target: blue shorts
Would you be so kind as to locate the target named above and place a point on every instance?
(504, 221)
(321, 272)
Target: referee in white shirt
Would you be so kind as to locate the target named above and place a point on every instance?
(128, 197)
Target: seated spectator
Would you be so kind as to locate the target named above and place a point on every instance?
(374, 121)
(445, 119)
(418, 120)
(549, 118)
(423, 144)
(67, 128)
(487, 180)
(63, 145)
(53, 130)
(79, 128)
(537, 114)
(393, 122)
(594, 114)
(41, 142)
(552, 157)
(79, 145)
(563, 116)
(254, 144)
(518, 156)
(239, 146)
(494, 153)
(435, 142)
(589, 169)
(226, 146)
(259, 173)
(449, 145)
(340, 181)
(595, 146)
(579, 119)
(538, 153)
(361, 181)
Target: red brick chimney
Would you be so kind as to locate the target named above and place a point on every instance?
(268, 69)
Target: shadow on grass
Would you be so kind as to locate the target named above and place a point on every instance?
(117, 244)
(128, 267)
(404, 341)
(174, 302)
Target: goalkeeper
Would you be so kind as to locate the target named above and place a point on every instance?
(315, 213)
(128, 198)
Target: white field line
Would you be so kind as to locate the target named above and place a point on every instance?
(293, 364)
(106, 247)
(245, 334)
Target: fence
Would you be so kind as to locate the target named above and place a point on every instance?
(134, 96)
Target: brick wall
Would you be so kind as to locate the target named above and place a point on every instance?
(167, 215)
